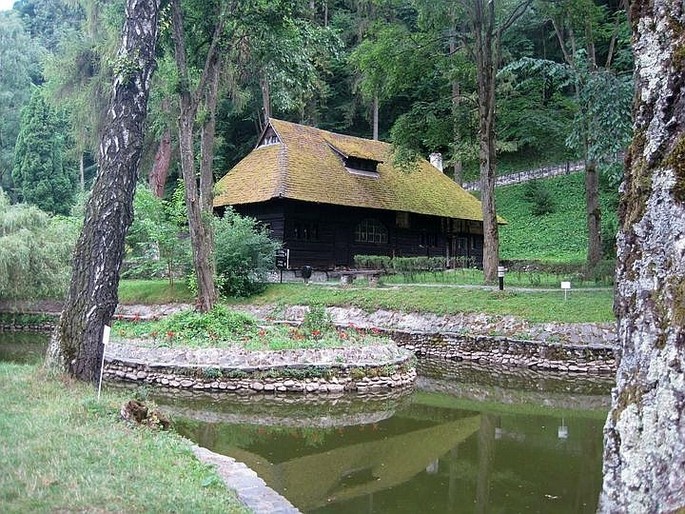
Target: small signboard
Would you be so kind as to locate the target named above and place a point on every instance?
(566, 286)
(282, 259)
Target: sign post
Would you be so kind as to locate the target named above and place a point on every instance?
(566, 287)
(500, 277)
(282, 258)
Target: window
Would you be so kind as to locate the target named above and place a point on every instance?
(306, 231)
(402, 219)
(371, 231)
(270, 140)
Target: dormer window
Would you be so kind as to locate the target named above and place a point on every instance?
(357, 164)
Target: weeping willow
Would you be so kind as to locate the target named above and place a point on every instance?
(35, 252)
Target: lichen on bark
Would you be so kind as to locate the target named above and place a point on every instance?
(644, 457)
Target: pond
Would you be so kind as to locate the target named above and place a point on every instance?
(466, 439)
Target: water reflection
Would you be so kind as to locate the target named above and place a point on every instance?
(439, 449)
(23, 347)
(468, 439)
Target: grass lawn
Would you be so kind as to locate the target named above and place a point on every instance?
(62, 451)
(582, 306)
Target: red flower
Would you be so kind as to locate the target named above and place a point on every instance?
(169, 334)
(262, 333)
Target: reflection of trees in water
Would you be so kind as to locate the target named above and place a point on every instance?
(486, 456)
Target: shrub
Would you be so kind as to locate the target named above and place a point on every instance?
(35, 251)
(317, 321)
(245, 253)
(219, 323)
(539, 196)
(155, 246)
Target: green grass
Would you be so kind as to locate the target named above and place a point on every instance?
(560, 236)
(470, 276)
(154, 292)
(62, 451)
(224, 328)
(589, 306)
(582, 306)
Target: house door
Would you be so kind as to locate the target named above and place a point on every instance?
(341, 246)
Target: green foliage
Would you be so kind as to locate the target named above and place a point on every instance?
(155, 242)
(317, 321)
(560, 236)
(39, 174)
(35, 252)
(20, 57)
(539, 196)
(220, 323)
(380, 262)
(245, 253)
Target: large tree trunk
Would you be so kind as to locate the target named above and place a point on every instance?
(76, 344)
(486, 67)
(593, 213)
(644, 436)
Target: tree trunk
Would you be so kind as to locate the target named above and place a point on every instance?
(456, 125)
(160, 168)
(375, 114)
(82, 172)
(644, 435)
(207, 134)
(199, 221)
(486, 63)
(76, 344)
(593, 212)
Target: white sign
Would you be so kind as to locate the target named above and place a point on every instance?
(566, 285)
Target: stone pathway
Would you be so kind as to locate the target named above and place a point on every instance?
(250, 489)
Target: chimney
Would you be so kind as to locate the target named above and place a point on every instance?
(436, 160)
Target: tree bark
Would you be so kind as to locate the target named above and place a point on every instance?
(644, 435)
(160, 168)
(593, 214)
(199, 220)
(486, 53)
(375, 113)
(76, 344)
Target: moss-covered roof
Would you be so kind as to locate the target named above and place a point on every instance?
(305, 166)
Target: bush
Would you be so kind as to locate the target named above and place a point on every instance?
(245, 253)
(35, 252)
(539, 196)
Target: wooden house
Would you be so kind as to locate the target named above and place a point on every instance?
(329, 197)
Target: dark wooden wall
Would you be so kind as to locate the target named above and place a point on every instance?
(323, 236)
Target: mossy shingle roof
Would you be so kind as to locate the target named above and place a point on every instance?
(307, 165)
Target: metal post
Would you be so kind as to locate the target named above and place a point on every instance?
(500, 277)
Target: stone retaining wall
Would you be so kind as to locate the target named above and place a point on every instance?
(315, 380)
(510, 352)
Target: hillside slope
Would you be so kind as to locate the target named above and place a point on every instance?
(560, 236)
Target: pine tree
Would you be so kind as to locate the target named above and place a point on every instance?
(39, 175)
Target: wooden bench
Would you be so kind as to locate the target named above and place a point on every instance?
(347, 277)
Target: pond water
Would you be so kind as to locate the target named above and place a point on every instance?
(23, 347)
(509, 442)
(466, 439)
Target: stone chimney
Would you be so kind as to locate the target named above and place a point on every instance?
(436, 160)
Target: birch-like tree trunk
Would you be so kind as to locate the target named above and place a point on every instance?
(644, 436)
(76, 344)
